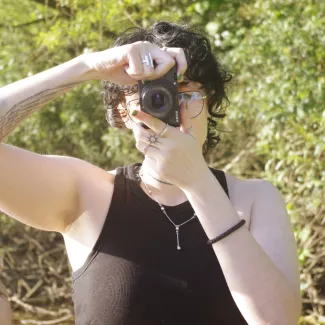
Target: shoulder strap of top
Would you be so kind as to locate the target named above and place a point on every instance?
(221, 177)
(117, 204)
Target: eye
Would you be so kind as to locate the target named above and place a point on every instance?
(184, 96)
(196, 95)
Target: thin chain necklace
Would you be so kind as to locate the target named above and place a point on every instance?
(140, 175)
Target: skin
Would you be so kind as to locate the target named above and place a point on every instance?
(259, 260)
(166, 194)
(53, 203)
(5, 311)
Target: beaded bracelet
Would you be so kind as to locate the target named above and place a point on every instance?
(227, 232)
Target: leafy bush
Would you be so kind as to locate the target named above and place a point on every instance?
(275, 125)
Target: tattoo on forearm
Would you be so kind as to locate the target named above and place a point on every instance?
(22, 110)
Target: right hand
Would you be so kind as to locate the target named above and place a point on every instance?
(123, 64)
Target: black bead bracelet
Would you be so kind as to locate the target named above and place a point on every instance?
(227, 232)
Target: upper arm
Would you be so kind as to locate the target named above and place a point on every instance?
(38, 190)
(5, 310)
(271, 227)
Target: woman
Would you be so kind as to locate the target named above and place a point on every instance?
(168, 240)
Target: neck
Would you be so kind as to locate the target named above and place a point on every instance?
(164, 193)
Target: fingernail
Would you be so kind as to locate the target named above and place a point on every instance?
(134, 112)
(179, 77)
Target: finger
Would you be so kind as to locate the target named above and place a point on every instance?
(135, 67)
(151, 122)
(149, 150)
(150, 54)
(148, 65)
(178, 54)
(148, 137)
(141, 57)
(164, 63)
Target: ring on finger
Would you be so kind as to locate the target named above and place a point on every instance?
(148, 60)
(164, 130)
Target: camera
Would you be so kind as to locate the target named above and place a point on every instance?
(159, 97)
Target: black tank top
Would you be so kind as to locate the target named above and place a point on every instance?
(136, 276)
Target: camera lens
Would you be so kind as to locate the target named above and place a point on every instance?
(159, 97)
(157, 101)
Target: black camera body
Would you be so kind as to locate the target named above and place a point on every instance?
(159, 97)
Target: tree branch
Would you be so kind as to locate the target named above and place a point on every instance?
(26, 24)
(66, 11)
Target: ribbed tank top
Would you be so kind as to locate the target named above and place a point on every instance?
(136, 276)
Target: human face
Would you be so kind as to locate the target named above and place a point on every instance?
(197, 108)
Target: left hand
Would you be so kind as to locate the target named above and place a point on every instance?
(177, 156)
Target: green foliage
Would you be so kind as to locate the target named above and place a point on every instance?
(275, 48)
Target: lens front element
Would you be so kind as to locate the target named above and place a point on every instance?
(157, 101)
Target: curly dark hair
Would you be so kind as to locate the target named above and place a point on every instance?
(203, 67)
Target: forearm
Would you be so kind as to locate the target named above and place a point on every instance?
(20, 99)
(260, 290)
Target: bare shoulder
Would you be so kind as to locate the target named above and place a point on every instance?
(250, 186)
(243, 193)
(96, 188)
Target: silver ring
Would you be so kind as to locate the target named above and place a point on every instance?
(164, 130)
(190, 128)
(148, 60)
(151, 61)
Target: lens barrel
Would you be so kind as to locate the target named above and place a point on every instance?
(159, 98)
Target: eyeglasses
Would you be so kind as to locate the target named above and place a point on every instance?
(194, 101)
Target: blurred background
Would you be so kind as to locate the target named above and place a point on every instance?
(275, 127)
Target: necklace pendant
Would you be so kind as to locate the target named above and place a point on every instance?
(177, 236)
(178, 246)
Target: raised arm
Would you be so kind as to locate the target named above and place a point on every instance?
(20, 99)
(120, 65)
(44, 191)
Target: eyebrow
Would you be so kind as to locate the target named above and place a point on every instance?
(184, 83)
